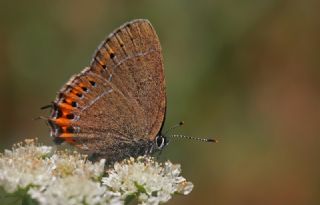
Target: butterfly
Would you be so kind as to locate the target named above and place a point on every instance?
(115, 108)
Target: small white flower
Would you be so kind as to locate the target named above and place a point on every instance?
(66, 164)
(150, 181)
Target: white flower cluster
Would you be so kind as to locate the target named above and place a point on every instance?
(23, 166)
(151, 182)
(50, 177)
(60, 177)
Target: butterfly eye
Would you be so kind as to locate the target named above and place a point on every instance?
(160, 141)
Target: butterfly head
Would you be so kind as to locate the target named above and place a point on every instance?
(160, 142)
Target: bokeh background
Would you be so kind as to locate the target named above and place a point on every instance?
(245, 72)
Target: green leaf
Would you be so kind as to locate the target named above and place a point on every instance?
(140, 188)
(130, 199)
(27, 200)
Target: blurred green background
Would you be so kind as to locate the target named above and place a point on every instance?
(245, 72)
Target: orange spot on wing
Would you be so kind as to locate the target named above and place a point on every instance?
(77, 89)
(65, 107)
(100, 61)
(62, 121)
(81, 85)
(68, 137)
(73, 94)
(68, 100)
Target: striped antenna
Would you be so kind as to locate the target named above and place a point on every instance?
(195, 138)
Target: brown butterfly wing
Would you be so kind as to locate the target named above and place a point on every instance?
(115, 107)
